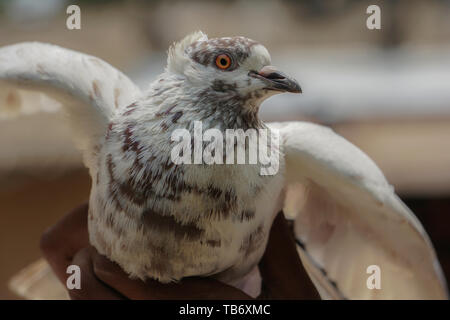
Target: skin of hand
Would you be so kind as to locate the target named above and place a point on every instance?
(66, 243)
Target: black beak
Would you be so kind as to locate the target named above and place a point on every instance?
(276, 80)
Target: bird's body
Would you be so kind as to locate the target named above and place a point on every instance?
(167, 221)
(161, 219)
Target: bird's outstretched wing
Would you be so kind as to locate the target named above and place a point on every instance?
(351, 226)
(42, 77)
(36, 77)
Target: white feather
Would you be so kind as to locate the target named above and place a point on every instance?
(350, 218)
(177, 60)
(89, 89)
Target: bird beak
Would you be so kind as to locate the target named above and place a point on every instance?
(276, 80)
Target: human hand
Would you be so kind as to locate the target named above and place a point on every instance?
(67, 243)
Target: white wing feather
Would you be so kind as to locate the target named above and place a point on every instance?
(349, 218)
(41, 77)
(36, 77)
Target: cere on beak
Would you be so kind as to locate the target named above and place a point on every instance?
(276, 80)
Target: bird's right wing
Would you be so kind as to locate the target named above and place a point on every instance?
(42, 77)
(351, 224)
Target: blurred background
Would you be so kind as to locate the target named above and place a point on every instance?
(387, 91)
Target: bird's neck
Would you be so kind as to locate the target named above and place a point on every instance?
(216, 105)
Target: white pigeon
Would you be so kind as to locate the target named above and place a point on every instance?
(166, 221)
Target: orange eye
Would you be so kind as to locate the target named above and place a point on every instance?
(223, 61)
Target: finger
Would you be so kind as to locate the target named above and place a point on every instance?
(60, 242)
(284, 276)
(188, 288)
(111, 274)
(91, 287)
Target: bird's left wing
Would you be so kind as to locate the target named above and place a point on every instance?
(36, 77)
(39, 77)
(356, 238)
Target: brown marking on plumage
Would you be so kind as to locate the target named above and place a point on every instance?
(96, 152)
(174, 181)
(96, 88)
(177, 116)
(130, 109)
(124, 247)
(253, 241)
(247, 215)
(112, 183)
(210, 191)
(214, 192)
(129, 143)
(116, 97)
(157, 92)
(217, 213)
(160, 266)
(149, 179)
(237, 47)
(135, 191)
(199, 57)
(41, 70)
(159, 250)
(213, 243)
(223, 206)
(125, 189)
(135, 167)
(230, 197)
(109, 130)
(166, 112)
(227, 107)
(133, 194)
(222, 86)
(111, 223)
(164, 126)
(168, 224)
(169, 164)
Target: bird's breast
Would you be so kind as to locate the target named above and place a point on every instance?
(166, 221)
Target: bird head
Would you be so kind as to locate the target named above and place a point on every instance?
(228, 68)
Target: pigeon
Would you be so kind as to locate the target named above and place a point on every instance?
(164, 220)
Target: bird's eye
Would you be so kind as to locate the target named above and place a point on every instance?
(223, 61)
